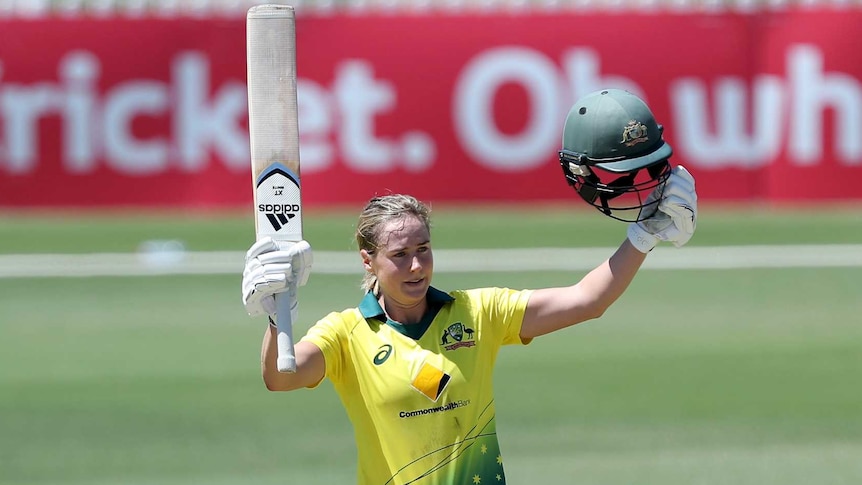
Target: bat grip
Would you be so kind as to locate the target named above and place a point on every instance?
(286, 361)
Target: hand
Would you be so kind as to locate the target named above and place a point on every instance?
(273, 267)
(676, 217)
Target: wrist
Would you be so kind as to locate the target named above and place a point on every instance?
(642, 240)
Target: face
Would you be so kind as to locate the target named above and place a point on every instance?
(403, 263)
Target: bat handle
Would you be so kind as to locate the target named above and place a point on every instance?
(284, 338)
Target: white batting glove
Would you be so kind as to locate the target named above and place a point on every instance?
(676, 217)
(273, 267)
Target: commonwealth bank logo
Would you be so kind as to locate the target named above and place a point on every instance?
(430, 381)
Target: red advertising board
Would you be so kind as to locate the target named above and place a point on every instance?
(152, 112)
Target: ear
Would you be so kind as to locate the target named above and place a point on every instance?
(366, 260)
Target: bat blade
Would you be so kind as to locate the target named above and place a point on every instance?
(273, 125)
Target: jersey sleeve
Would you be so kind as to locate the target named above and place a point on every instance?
(506, 307)
(329, 334)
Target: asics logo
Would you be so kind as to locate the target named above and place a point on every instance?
(383, 354)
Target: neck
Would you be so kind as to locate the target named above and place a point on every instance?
(405, 315)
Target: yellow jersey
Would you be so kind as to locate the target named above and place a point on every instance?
(420, 396)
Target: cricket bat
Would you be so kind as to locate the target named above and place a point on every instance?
(273, 127)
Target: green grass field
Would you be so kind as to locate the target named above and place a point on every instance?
(703, 377)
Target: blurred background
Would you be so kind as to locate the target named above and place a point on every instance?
(125, 211)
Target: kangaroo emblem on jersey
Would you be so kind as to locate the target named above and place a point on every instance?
(462, 336)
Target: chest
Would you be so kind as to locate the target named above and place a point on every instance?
(450, 363)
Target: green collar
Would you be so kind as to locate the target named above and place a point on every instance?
(369, 307)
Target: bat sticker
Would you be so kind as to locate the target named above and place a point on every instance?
(279, 208)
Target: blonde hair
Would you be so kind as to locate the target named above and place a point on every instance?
(378, 212)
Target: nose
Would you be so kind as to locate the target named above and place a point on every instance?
(415, 264)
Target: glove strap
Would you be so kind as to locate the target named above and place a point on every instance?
(640, 238)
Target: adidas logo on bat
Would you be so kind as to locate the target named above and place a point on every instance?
(278, 220)
(278, 214)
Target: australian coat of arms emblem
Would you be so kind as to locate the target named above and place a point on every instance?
(460, 336)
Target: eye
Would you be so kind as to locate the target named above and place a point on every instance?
(424, 249)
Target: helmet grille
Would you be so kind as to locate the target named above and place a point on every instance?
(625, 197)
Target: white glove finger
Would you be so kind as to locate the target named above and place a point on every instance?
(684, 217)
(260, 304)
(678, 198)
(655, 194)
(278, 271)
(681, 240)
(303, 262)
(682, 173)
(680, 188)
(273, 267)
(276, 257)
(248, 287)
(301, 248)
(302, 251)
(298, 253)
(657, 223)
(680, 212)
(302, 278)
(251, 278)
(675, 202)
(683, 232)
(254, 309)
(682, 228)
(264, 245)
(266, 277)
(286, 245)
(270, 287)
(251, 300)
(685, 225)
(251, 267)
(262, 275)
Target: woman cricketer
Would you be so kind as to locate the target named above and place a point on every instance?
(413, 364)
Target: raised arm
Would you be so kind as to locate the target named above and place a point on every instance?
(310, 365)
(551, 309)
(271, 267)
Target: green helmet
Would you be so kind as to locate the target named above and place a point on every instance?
(614, 155)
